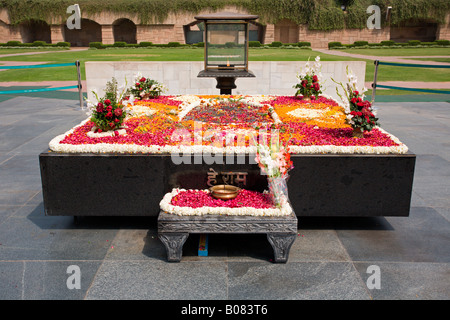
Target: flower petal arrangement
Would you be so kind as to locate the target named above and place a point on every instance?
(236, 124)
(239, 124)
(200, 202)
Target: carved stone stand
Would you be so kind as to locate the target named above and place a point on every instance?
(173, 230)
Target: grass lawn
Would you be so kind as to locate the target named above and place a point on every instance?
(401, 52)
(386, 73)
(392, 92)
(151, 54)
(447, 60)
(391, 73)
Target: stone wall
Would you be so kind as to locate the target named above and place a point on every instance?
(4, 32)
(443, 32)
(180, 77)
(286, 31)
(320, 39)
(171, 30)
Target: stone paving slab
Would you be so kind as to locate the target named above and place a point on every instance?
(121, 258)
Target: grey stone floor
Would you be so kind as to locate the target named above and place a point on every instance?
(121, 258)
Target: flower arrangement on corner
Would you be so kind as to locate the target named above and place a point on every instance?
(360, 114)
(146, 88)
(309, 80)
(109, 112)
(275, 162)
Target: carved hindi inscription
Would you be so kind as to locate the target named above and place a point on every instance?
(227, 177)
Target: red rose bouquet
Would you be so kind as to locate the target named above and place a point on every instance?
(146, 88)
(309, 80)
(108, 113)
(359, 112)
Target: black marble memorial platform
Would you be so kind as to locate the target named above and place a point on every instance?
(352, 185)
(173, 230)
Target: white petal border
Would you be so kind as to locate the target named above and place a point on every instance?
(56, 146)
(165, 205)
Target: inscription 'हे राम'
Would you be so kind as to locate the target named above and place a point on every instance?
(228, 177)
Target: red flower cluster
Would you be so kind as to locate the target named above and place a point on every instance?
(315, 85)
(108, 115)
(200, 198)
(145, 88)
(308, 87)
(361, 110)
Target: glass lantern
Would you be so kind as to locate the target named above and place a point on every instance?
(226, 45)
(226, 37)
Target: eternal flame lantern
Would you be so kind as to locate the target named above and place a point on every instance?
(226, 48)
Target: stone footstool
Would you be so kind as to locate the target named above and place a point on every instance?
(173, 230)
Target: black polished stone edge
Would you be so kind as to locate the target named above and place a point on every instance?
(336, 185)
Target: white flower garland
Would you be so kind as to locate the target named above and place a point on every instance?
(56, 146)
(165, 205)
(111, 133)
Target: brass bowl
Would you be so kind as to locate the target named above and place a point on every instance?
(224, 191)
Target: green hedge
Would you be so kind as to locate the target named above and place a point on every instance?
(34, 44)
(145, 44)
(361, 43)
(414, 42)
(96, 45)
(388, 43)
(276, 44)
(63, 44)
(443, 42)
(334, 44)
(173, 44)
(120, 44)
(304, 44)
